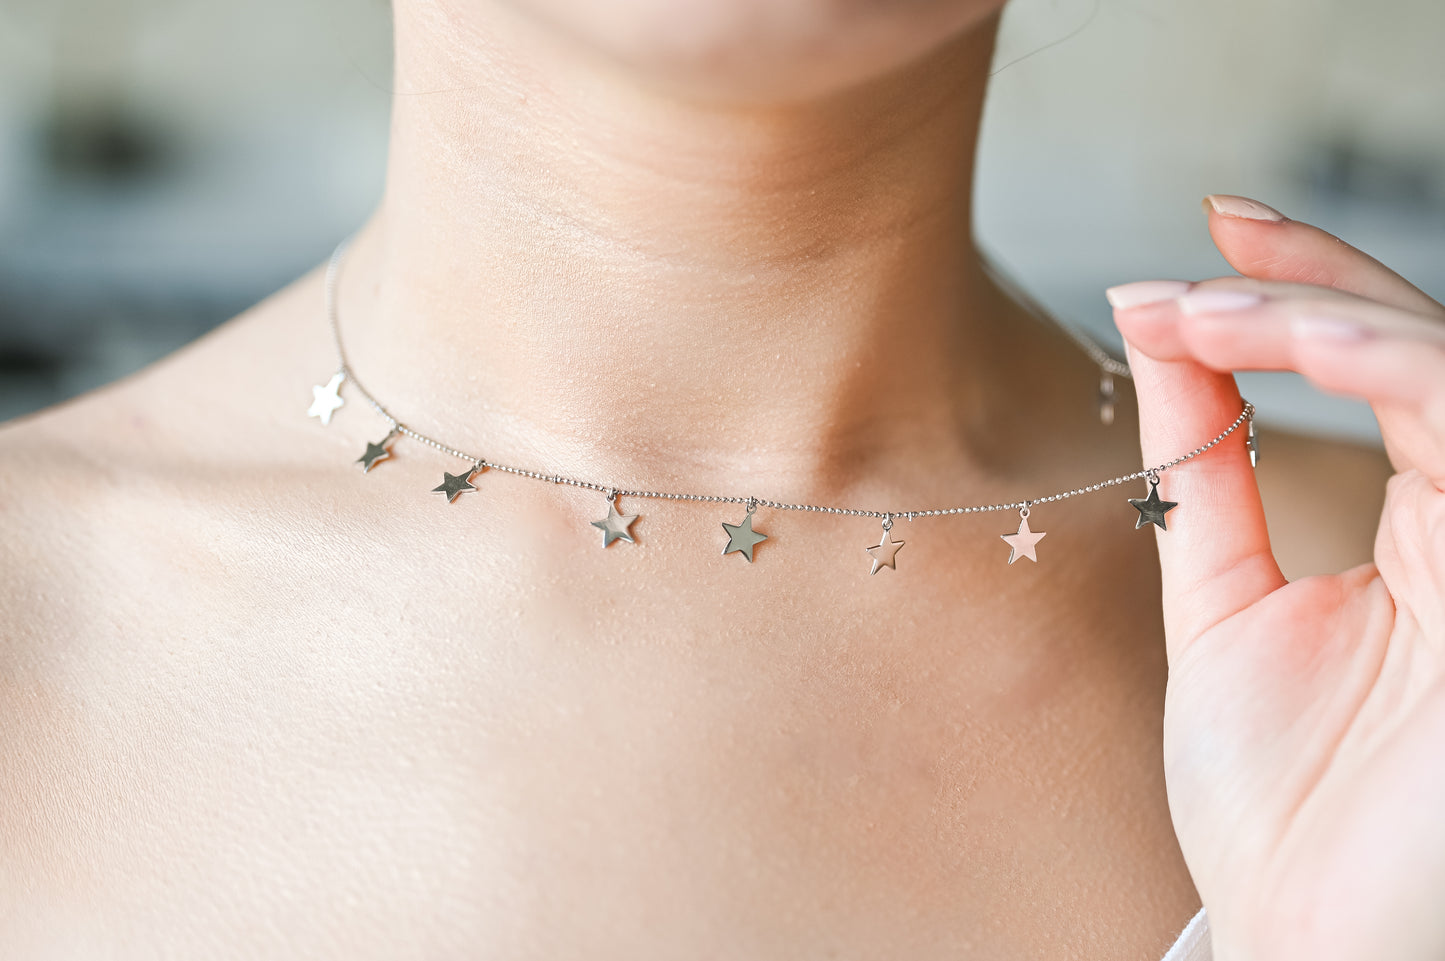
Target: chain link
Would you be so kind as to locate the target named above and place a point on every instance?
(1088, 345)
(612, 491)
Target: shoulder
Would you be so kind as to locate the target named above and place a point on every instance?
(1322, 499)
(93, 487)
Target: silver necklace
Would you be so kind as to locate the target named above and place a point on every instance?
(742, 538)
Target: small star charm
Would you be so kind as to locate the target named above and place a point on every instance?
(456, 484)
(884, 551)
(326, 399)
(375, 454)
(615, 525)
(742, 538)
(1152, 509)
(1022, 543)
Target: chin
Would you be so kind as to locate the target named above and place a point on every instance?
(756, 50)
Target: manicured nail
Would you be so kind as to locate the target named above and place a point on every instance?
(1144, 292)
(1337, 329)
(1212, 301)
(1229, 205)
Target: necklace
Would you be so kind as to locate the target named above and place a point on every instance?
(742, 538)
(1109, 366)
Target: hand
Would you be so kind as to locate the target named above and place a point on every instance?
(1304, 727)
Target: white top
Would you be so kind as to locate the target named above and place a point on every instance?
(1193, 943)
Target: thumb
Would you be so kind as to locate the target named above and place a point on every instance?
(1214, 554)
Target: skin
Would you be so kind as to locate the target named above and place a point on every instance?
(260, 704)
(1304, 718)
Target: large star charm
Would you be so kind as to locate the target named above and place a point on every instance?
(326, 399)
(1022, 543)
(375, 454)
(615, 525)
(455, 484)
(742, 538)
(883, 552)
(1152, 509)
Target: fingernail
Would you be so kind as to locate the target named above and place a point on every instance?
(1315, 327)
(1210, 301)
(1144, 292)
(1229, 205)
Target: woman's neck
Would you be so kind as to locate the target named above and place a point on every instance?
(569, 264)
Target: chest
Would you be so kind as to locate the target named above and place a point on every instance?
(447, 739)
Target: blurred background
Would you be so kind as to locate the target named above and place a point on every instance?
(166, 163)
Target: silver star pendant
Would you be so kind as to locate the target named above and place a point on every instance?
(375, 454)
(454, 485)
(1152, 509)
(1022, 543)
(884, 551)
(614, 525)
(742, 538)
(325, 399)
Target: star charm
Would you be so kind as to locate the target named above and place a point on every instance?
(1152, 509)
(375, 454)
(883, 552)
(326, 399)
(742, 538)
(1022, 543)
(615, 525)
(455, 484)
